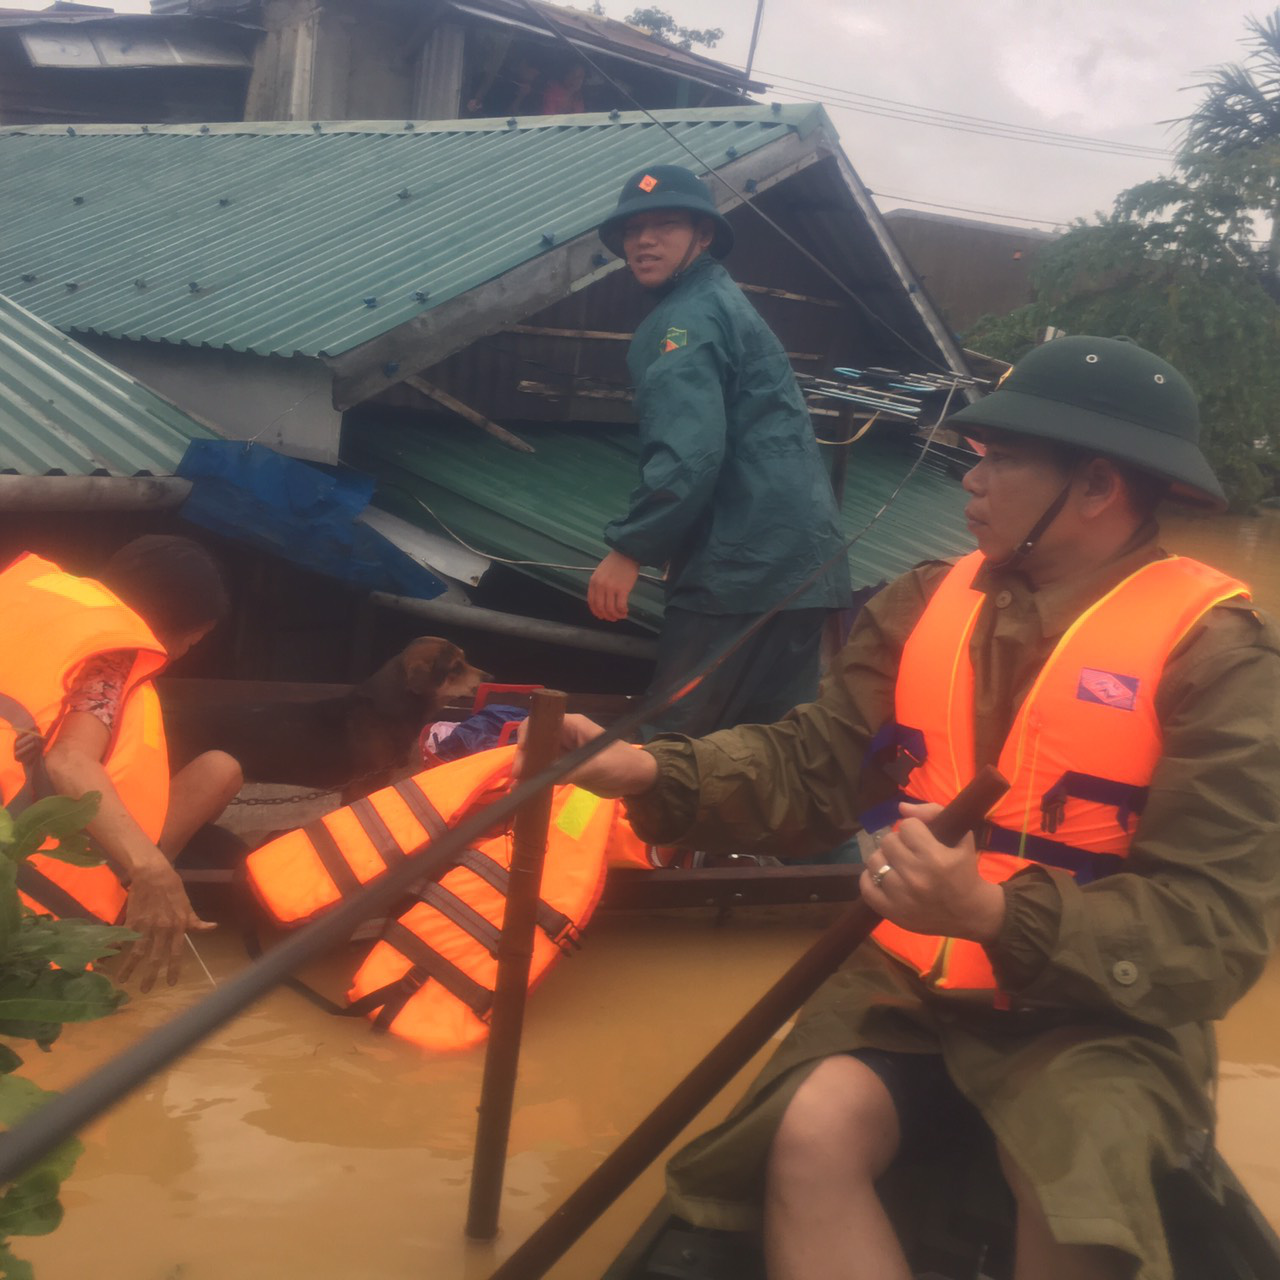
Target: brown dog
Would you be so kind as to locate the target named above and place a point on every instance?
(356, 742)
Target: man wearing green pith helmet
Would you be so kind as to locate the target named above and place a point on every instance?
(733, 501)
(1046, 993)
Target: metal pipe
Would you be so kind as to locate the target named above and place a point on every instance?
(513, 624)
(92, 493)
(515, 954)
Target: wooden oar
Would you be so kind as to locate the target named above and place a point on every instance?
(740, 1044)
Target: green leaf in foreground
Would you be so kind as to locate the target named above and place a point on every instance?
(46, 980)
(56, 818)
(70, 944)
(57, 996)
(12, 1268)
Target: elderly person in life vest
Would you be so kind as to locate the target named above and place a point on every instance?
(1047, 993)
(78, 713)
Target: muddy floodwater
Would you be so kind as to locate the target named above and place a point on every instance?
(295, 1144)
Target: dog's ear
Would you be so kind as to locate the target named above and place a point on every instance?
(428, 662)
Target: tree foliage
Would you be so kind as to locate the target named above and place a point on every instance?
(662, 26)
(46, 980)
(1178, 267)
(1236, 127)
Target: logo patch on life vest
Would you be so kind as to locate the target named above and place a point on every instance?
(647, 183)
(675, 339)
(1108, 688)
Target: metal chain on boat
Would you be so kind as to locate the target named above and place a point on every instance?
(253, 801)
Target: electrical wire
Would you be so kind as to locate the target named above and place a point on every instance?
(935, 115)
(984, 213)
(797, 95)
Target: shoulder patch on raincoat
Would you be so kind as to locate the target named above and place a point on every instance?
(675, 339)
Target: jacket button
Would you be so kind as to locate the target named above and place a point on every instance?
(1004, 599)
(1125, 972)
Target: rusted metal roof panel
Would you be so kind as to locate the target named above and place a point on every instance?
(550, 507)
(287, 239)
(64, 410)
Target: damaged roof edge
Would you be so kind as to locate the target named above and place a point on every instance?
(65, 410)
(938, 329)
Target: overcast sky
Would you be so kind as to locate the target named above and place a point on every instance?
(1105, 69)
(1091, 67)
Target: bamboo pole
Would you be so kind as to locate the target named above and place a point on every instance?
(515, 951)
(740, 1043)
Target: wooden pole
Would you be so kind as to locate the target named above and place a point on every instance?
(468, 414)
(646, 1142)
(515, 951)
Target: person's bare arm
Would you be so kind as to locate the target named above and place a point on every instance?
(157, 905)
(619, 770)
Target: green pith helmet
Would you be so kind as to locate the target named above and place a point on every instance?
(1108, 396)
(665, 186)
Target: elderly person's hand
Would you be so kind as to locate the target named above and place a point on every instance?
(157, 909)
(929, 887)
(619, 770)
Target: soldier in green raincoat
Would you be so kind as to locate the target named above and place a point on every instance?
(1088, 1055)
(733, 500)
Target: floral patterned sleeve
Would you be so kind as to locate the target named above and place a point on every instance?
(100, 684)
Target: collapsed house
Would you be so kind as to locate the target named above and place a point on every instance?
(429, 304)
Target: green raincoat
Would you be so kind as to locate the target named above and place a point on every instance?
(1100, 1073)
(733, 497)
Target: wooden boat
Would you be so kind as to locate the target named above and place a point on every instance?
(1209, 1239)
(734, 883)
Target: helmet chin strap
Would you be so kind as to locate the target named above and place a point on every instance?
(686, 262)
(1027, 545)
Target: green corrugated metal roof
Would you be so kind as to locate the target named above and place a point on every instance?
(292, 239)
(552, 505)
(64, 409)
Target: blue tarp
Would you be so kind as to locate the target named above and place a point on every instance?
(299, 512)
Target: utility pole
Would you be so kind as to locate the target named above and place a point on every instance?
(755, 35)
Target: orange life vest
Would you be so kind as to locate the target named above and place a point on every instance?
(430, 977)
(53, 623)
(1081, 750)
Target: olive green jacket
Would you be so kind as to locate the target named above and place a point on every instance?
(1112, 982)
(733, 496)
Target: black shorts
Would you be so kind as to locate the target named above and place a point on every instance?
(931, 1110)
